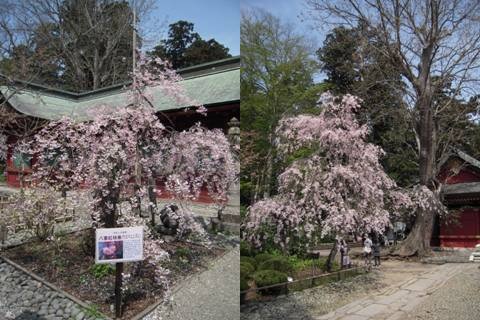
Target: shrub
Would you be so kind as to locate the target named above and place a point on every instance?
(37, 210)
(277, 263)
(246, 270)
(265, 278)
(243, 284)
(245, 249)
(250, 260)
(101, 270)
(263, 257)
(335, 266)
(300, 264)
(183, 252)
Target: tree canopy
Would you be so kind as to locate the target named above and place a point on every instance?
(184, 47)
(75, 45)
(277, 71)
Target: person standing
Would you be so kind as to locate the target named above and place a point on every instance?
(376, 253)
(367, 251)
(344, 254)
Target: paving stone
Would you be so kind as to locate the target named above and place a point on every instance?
(398, 315)
(372, 310)
(354, 317)
(354, 309)
(420, 285)
(387, 300)
(213, 294)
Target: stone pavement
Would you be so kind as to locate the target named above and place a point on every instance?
(211, 295)
(458, 299)
(24, 298)
(395, 302)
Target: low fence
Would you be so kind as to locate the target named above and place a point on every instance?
(302, 284)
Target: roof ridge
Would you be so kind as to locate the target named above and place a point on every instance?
(78, 95)
(468, 158)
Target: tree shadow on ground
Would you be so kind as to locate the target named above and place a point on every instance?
(29, 315)
(283, 307)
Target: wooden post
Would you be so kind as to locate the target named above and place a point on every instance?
(110, 222)
(118, 289)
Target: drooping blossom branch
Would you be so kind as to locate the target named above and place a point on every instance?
(119, 155)
(340, 188)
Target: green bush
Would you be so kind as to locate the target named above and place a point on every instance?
(243, 211)
(300, 264)
(250, 260)
(183, 252)
(245, 249)
(243, 284)
(277, 263)
(246, 270)
(265, 278)
(262, 257)
(335, 266)
(101, 270)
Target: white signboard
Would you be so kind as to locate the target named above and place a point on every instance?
(119, 245)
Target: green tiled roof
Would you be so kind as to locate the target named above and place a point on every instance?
(209, 84)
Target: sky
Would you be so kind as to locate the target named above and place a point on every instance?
(218, 19)
(292, 12)
(289, 11)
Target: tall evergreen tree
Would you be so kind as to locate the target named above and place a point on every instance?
(184, 47)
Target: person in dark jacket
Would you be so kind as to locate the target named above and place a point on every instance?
(376, 253)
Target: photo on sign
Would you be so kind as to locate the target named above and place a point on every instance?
(110, 250)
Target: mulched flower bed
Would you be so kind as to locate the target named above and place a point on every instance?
(67, 266)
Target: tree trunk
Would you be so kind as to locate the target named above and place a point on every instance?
(331, 257)
(268, 175)
(153, 199)
(418, 240)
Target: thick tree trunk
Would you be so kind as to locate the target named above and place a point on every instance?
(418, 241)
(331, 257)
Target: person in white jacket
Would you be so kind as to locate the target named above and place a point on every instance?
(367, 250)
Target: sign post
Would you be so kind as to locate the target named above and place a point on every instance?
(118, 289)
(118, 245)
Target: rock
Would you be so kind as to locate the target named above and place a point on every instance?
(75, 311)
(168, 239)
(80, 316)
(43, 311)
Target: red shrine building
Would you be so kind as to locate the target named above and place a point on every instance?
(216, 85)
(460, 176)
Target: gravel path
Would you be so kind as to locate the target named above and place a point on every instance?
(458, 299)
(391, 292)
(312, 303)
(24, 298)
(212, 295)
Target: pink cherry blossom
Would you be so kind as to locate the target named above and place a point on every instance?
(340, 189)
